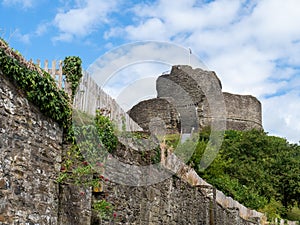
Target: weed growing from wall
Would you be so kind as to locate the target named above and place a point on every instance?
(84, 162)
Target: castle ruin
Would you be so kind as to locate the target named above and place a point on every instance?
(183, 105)
(32, 149)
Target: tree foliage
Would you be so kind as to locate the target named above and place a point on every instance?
(260, 171)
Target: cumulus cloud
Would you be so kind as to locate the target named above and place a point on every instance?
(42, 28)
(134, 83)
(139, 52)
(86, 17)
(252, 45)
(283, 115)
(185, 16)
(152, 29)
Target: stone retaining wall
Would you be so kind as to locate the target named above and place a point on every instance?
(175, 199)
(30, 157)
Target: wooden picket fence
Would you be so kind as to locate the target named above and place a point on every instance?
(55, 70)
(90, 96)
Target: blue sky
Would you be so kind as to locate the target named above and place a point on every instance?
(253, 45)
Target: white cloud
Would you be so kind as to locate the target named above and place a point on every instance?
(252, 45)
(152, 29)
(283, 113)
(24, 3)
(275, 21)
(164, 21)
(24, 38)
(138, 52)
(86, 17)
(129, 73)
(134, 83)
(112, 32)
(42, 29)
(66, 37)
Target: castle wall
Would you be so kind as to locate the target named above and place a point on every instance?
(183, 87)
(193, 102)
(30, 157)
(30, 160)
(188, 97)
(147, 114)
(243, 112)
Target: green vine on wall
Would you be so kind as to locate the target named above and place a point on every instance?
(106, 131)
(73, 71)
(40, 90)
(84, 162)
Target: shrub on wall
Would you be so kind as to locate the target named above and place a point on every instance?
(73, 71)
(84, 163)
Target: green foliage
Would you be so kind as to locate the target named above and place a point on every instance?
(84, 163)
(4, 42)
(260, 171)
(73, 71)
(156, 158)
(294, 214)
(172, 140)
(106, 131)
(40, 90)
(184, 151)
(87, 140)
(93, 140)
(273, 209)
(103, 209)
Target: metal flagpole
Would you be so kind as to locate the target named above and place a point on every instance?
(190, 52)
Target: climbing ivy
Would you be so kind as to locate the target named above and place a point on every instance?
(40, 90)
(106, 131)
(73, 71)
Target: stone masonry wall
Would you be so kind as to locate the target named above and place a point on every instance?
(152, 110)
(243, 112)
(30, 157)
(174, 200)
(186, 95)
(170, 202)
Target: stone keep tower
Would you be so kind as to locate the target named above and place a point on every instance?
(183, 105)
